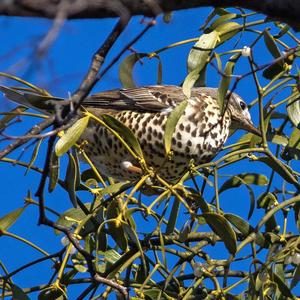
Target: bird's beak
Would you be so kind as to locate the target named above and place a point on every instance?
(249, 126)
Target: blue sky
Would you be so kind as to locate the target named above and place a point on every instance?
(60, 71)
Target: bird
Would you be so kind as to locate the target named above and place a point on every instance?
(199, 134)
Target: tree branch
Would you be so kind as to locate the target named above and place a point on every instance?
(285, 10)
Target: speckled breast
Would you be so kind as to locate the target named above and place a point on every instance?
(199, 135)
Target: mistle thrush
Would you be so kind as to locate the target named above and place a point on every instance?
(199, 134)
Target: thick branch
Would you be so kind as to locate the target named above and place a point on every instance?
(286, 10)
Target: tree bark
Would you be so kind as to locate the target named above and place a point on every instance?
(284, 10)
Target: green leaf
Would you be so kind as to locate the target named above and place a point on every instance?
(271, 45)
(9, 219)
(114, 188)
(277, 166)
(111, 256)
(73, 216)
(126, 69)
(266, 200)
(79, 265)
(278, 139)
(101, 238)
(67, 277)
(282, 286)
(222, 228)
(159, 71)
(198, 58)
(227, 31)
(244, 227)
(199, 200)
(53, 172)
(226, 79)
(17, 293)
(296, 277)
(293, 109)
(292, 150)
(124, 132)
(184, 232)
(71, 136)
(245, 139)
(171, 123)
(252, 201)
(14, 113)
(51, 294)
(244, 178)
(34, 155)
(272, 71)
(297, 214)
(153, 294)
(173, 217)
(132, 234)
(72, 174)
(221, 20)
(116, 230)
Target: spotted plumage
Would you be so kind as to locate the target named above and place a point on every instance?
(199, 135)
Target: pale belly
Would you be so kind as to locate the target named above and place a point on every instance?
(188, 143)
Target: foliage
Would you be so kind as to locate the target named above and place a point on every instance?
(159, 240)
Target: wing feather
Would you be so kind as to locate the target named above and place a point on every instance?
(148, 98)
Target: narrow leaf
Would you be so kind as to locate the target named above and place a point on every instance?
(293, 109)
(244, 227)
(292, 150)
(34, 155)
(114, 188)
(159, 71)
(282, 286)
(74, 216)
(53, 172)
(222, 19)
(71, 178)
(277, 166)
(271, 44)
(222, 228)
(198, 58)
(124, 132)
(8, 220)
(18, 294)
(227, 31)
(71, 136)
(116, 230)
(171, 123)
(296, 277)
(173, 216)
(14, 113)
(126, 69)
(184, 232)
(244, 178)
(226, 79)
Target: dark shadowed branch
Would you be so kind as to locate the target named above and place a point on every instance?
(286, 10)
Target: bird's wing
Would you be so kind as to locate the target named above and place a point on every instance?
(148, 99)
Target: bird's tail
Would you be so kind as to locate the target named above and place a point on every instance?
(31, 99)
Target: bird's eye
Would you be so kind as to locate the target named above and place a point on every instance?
(243, 105)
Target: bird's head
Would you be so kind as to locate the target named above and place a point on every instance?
(240, 114)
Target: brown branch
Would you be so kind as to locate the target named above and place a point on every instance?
(22, 140)
(286, 10)
(63, 118)
(112, 284)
